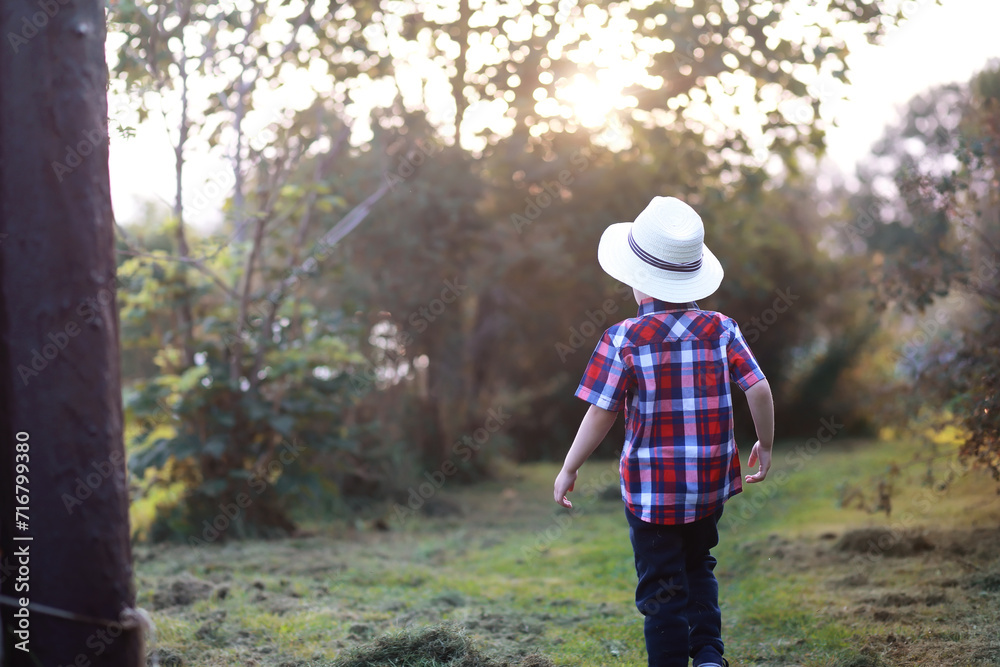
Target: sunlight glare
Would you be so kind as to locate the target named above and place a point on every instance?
(590, 101)
(611, 50)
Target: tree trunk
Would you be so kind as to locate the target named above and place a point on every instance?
(458, 81)
(60, 394)
(184, 313)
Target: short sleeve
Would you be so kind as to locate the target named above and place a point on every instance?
(605, 382)
(743, 367)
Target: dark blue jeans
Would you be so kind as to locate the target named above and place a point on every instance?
(677, 591)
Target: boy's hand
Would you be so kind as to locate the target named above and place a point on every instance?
(565, 481)
(763, 456)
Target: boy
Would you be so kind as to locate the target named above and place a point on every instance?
(669, 368)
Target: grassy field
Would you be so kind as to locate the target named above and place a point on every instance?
(508, 573)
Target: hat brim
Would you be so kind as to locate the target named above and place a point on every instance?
(618, 261)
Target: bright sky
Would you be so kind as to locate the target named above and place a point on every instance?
(938, 44)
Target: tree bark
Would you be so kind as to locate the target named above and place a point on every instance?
(59, 350)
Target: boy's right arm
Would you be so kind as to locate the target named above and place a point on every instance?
(595, 425)
(762, 408)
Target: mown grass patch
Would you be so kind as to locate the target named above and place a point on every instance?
(516, 576)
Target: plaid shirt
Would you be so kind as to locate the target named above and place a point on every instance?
(672, 369)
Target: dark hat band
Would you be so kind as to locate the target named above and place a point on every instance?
(688, 267)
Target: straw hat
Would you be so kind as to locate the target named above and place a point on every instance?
(662, 253)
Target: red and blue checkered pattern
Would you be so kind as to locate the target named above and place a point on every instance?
(671, 370)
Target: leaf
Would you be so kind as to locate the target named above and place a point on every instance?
(283, 424)
(213, 488)
(191, 378)
(153, 456)
(216, 446)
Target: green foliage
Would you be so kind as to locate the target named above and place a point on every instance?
(240, 48)
(382, 352)
(981, 399)
(695, 51)
(227, 436)
(940, 237)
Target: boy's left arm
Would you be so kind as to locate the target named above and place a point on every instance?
(745, 370)
(762, 409)
(595, 425)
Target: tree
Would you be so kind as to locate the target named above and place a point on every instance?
(60, 398)
(492, 214)
(268, 387)
(932, 234)
(251, 373)
(530, 293)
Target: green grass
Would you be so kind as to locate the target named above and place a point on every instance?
(518, 575)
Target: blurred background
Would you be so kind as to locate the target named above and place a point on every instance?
(357, 241)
